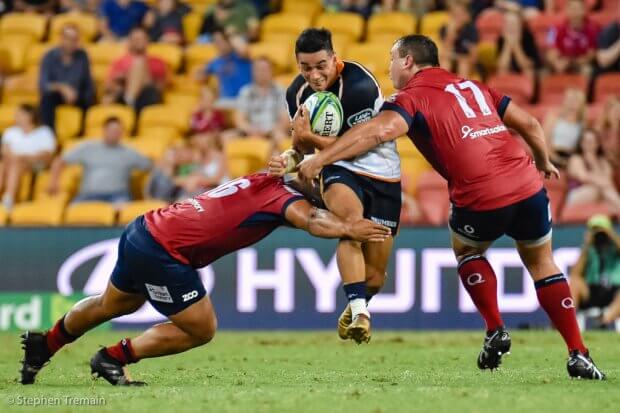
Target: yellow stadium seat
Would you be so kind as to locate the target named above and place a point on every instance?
(285, 79)
(21, 88)
(390, 26)
(432, 22)
(280, 55)
(185, 100)
(96, 116)
(68, 183)
(4, 216)
(23, 24)
(101, 56)
(406, 148)
(90, 214)
(278, 24)
(34, 55)
(25, 185)
(191, 26)
(411, 169)
(86, 23)
(169, 53)
(13, 54)
(198, 55)
(164, 116)
(285, 144)
(153, 149)
(351, 24)
(239, 167)
(251, 153)
(487, 55)
(341, 43)
(304, 7)
(132, 210)
(37, 213)
(373, 56)
(137, 183)
(68, 122)
(184, 84)
(7, 116)
(387, 87)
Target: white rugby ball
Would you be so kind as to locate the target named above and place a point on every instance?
(325, 111)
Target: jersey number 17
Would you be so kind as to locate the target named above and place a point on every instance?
(478, 96)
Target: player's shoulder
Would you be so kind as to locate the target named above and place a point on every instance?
(295, 85)
(356, 75)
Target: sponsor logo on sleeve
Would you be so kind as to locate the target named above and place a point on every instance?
(360, 117)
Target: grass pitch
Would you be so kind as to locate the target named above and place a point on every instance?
(315, 372)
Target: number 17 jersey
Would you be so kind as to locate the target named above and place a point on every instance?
(457, 125)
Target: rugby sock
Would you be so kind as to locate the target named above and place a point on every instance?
(122, 352)
(555, 298)
(58, 336)
(479, 280)
(356, 294)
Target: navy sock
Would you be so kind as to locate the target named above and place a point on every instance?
(355, 290)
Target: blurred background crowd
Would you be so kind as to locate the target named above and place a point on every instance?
(112, 107)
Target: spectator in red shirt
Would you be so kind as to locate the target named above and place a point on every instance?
(574, 41)
(136, 79)
(206, 121)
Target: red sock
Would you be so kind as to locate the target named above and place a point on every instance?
(122, 352)
(555, 298)
(479, 280)
(58, 336)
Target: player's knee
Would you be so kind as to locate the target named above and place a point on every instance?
(207, 331)
(375, 278)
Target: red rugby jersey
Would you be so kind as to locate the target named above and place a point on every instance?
(239, 213)
(457, 125)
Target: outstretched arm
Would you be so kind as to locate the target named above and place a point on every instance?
(386, 126)
(324, 224)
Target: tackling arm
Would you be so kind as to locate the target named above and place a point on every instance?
(324, 224)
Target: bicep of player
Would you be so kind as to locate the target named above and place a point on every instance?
(528, 127)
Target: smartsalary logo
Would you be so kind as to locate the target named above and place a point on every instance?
(468, 131)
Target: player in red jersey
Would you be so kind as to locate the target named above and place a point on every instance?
(460, 126)
(158, 255)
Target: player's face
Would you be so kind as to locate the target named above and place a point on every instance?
(396, 68)
(318, 69)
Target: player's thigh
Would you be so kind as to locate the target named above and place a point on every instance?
(197, 320)
(115, 301)
(538, 259)
(341, 193)
(376, 258)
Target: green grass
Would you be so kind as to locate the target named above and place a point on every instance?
(315, 372)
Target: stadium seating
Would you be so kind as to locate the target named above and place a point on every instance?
(519, 87)
(68, 183)
(556, 191)
(191, 26)
(101, 56)
(387, 27)
(21, 88)
(283, 24)
(96, 116)
(607, 84)
(37, 213)
(90, 214)
(279, 54)
(7, 116)
(23, 26)
(553, 87)
(129, 211)
(12, 52)
(489, 24)
(163, 115)
(4, 216)
(151, 148)
(432, 22)
(198, 55)
(540, 25)
(374, 56)
(580, 213)
(487, 56)
(246, 155)
(350, 24)
(432, 195)
(86, 23)
(412, 168)
(68, 122)
(171, 54)
(34, 55)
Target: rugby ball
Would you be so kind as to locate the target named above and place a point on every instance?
(325, 112)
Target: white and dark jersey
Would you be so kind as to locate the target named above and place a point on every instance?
(361, 99)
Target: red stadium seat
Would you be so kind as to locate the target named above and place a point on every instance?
(519, 87)
(540, 25)
(489, 24)
(552, 87)
(580, 213)
(606, 85)
(432, 195)
(556, 191)
(611, 5)
(560, 5)
(540, 111)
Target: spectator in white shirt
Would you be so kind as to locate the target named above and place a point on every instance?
(27, 146)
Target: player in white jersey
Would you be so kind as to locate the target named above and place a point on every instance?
(366, 186)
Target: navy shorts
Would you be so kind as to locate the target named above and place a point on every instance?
(145, 267)
(381, 200)
(527, 221)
